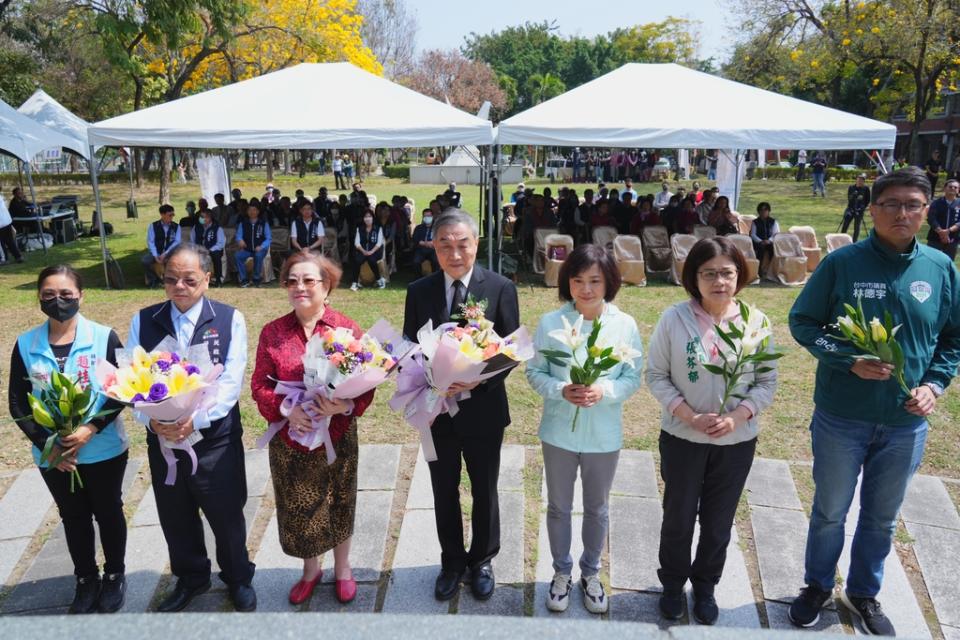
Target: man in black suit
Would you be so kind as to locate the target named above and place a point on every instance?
(476, 432)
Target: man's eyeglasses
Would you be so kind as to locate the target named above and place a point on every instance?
(307, 283)
(893, 207)
(711, 275)
(190, 283)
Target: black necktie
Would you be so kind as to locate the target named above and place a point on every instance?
(458, 298)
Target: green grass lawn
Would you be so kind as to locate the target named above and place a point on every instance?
(784, 425)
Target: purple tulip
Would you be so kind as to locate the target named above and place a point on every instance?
(158, 391)
(192, 369)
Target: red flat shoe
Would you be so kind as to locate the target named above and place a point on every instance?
(346, 590)
(302, 591)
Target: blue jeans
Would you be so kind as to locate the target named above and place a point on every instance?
(818, 183)
(888, 455)
(241, 258)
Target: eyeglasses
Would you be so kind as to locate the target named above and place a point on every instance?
(190, 283)
(711, 275)
(65, 294)
(307, 283)
(893, 207)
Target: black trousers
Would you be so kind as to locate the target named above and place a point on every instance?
(219, 489)
(99, 498)
(359, 259)
(949, 249)
(9, 241)
(701, 481)
(217, 258)
(857, 218)
(482, 455)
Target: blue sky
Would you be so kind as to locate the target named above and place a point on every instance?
(445, 23)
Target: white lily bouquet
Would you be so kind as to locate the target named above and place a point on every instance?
(599, 360)
(876, 339)
(748, 341)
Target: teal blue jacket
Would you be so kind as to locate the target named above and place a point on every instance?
(920, 289)
(599, 428)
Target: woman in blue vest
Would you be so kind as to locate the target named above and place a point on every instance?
(307, 232)
(253, 241)
(69, 343)
(210, 236)
(368, 247)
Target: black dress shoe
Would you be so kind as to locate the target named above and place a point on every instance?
(448, 583)
(671, 605)
(482, 582)
(86, 595)
(244, 598)
(112, 593)
(705, 609)
(182, 596)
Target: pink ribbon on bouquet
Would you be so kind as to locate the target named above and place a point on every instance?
(421, 403)
(166, 449)
(296, 393)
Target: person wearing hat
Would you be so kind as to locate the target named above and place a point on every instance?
(518, 194)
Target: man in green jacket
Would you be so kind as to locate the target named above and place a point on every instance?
(863, 421)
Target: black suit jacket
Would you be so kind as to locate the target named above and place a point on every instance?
(487, 407)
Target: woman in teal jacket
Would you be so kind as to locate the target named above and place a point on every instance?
(71, 344)
(588, 281)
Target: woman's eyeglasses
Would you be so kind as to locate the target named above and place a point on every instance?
(307, 283)
(711, 275)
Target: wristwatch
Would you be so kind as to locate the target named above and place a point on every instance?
(935, 388)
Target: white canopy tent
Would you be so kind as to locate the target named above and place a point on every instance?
(293, 109)
(42, 108)
(731, 116)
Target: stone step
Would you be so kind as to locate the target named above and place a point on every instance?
(738, 608)
(636, 475)
(49, 583)
(512, 461)
(928, 502)
(416, 564)
(634, 542)
(780, 536)
(24, 506)
(420, 495)
(377, 467)
(770, 484)
(544, 574)
(371, 523)
(936, 551)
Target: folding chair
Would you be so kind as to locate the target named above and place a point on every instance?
(628, 252)
(837, 240)
(789, 264)
(603, 236)
(657, 255)
(745, 223)
(558, 247)
(808, 240)
(540, 248)
(680, 245)
(702, 231)
(745, 244)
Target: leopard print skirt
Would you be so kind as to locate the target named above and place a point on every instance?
(316, 502)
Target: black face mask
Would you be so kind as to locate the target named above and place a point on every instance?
(60, 309)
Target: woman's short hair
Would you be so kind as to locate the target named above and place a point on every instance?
(706, 250)
(581, 259)
(329, 271)
(762, 206)
(60, 270)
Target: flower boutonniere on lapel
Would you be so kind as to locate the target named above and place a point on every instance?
(472, 310)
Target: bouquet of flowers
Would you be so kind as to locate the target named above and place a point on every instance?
(165, 385)
(451, 354)
(60, 405)
(748, 342)
(600, 358)
(337, 366)
(877, 340)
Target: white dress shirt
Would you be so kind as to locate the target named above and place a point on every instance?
(662, 199)
(448, 282)
(5, 219)
(230, 381)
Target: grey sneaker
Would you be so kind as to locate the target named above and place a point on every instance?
(559, 597)
(871, 617)
(594, 597)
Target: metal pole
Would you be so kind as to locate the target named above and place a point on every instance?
(96, 196)
(129, 169)
(491, 211)
(36, 209)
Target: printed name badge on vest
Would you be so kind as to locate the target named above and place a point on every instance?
(920, 290)
(212, 339)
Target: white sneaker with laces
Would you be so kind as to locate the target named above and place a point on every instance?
(594, 597)
(559, 597)
(355, 286)
(381, 283)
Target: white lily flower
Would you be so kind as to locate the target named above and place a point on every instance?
(626, 354)
(571, 335)
(755, 332)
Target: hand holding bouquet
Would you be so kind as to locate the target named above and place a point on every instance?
(875, 339)
(450, 355)
(166, 386)
(337, 366)
(748, 341)
(60, 405)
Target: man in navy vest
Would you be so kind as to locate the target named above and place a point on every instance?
(253, 241)
(306, 231)
(219, 486)
(162, 236)
(210, 236)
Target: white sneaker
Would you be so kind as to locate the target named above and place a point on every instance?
(355, 286)
(381, 283)
(559, 597)
(594, 597)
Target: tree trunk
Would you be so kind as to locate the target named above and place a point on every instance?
(268, 156)
(165, 162)
(286, 162)
(303, 164)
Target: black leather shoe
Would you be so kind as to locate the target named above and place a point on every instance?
(671, 605)
(112, 593)
(448, 583)
(482, 582)
(181, 597)
(86, 596)
(705, 610)
(244, 598)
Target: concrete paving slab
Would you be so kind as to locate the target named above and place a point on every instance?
(512, 459)
(636, 475)
(634, 543)
(24, 505)
(420, 495)
(928, 502)
(780, 537)
(770, 484)
(369, 537)
(415, 567)
(936, 551)
(778, 619)
(508, 565)
(377, 467)
(505, 601)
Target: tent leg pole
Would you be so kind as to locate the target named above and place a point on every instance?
(36, 209)
(490, 207)
(97, 204)
(130, 170)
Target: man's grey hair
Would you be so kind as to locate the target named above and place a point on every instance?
(452, 216)
(203, 256)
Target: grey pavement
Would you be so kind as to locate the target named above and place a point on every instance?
(770, 484)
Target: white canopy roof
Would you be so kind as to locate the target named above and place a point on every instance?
(637, 106)
(309, 106)
(22, 137)
(53, 115)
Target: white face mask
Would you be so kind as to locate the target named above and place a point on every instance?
(428, 220)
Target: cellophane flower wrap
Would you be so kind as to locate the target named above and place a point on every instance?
(451, 354)
(168, 384)
(337, 366)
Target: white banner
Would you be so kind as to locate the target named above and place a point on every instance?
(730, 170)
(212, 171)
(683, 163)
